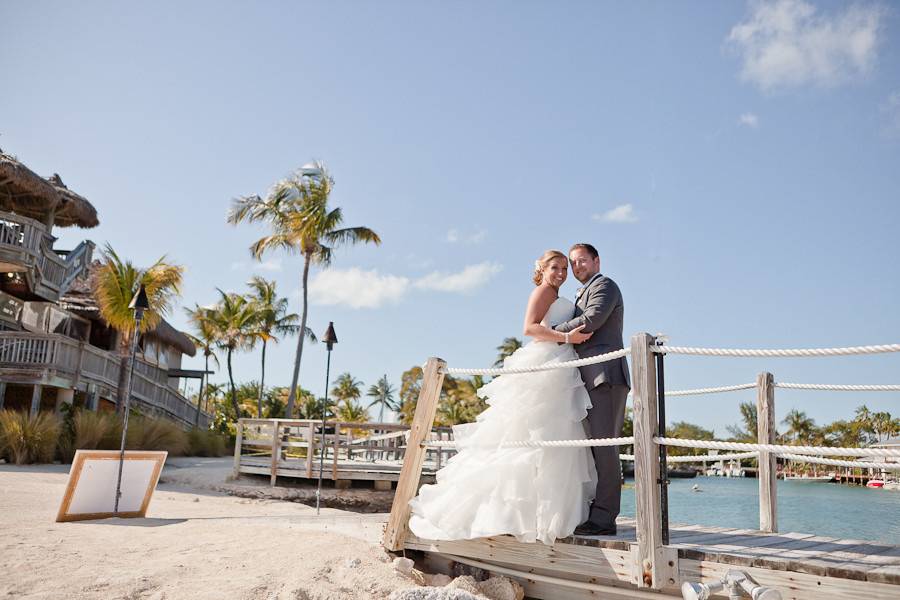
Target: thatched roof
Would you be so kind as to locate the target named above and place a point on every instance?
(26, 193)
(79, 298)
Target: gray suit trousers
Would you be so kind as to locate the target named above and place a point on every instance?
(605, 420)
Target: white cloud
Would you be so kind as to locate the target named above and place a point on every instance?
(266, 265)
(891, 110)
(785, 43)
(476, 237)
(356, 288)
(749, 119)
(621, 214)
(464, 282)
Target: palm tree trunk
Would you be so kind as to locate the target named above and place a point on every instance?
(202, 390)
(124, 357)
(262, 383)
(234, 402)
(381, 414)
(293, 393)
(124, 363)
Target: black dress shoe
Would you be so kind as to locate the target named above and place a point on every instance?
(591, 528)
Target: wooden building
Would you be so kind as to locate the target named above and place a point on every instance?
(54, 346)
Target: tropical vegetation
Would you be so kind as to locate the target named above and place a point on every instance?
(300, 221)
(115, 284)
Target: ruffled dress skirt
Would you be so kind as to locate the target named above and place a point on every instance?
(530, 493)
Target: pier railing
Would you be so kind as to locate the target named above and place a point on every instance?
(26, 242)
(336, 450)
(655, 563)
(42, 357)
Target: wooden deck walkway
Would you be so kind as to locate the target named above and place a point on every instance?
(640, 562)
(801, 566)
(342, 451)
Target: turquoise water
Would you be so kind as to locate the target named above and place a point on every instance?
(827, 509)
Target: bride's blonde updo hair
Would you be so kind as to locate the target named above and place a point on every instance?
(541, 263)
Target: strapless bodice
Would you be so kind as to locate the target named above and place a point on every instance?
(561, 310)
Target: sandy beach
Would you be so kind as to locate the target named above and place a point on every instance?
(196, 542)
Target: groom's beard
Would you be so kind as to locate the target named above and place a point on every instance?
(586, 278)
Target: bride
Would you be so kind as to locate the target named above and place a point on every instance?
(531, 493)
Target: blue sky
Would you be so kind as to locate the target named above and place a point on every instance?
(735, 164)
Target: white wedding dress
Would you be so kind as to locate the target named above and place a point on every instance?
(531, 493)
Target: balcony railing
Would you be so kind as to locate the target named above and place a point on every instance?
(28, 243)
(79, 361)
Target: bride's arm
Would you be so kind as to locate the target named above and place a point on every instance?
(538, 304)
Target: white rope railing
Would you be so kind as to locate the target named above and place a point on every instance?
(701, 457)
(794, 386)
(777, 448)
(841, 463)
(777, 352)
(711, 390)
(839, 387)
(569, 364)
(617, 441)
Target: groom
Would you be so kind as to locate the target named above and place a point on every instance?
(599, 307)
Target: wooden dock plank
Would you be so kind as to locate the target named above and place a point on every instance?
(603, 563)
(794, 586)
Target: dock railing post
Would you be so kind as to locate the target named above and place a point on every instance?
(651, 568)
(765, 426)
(276, 451)
(238, 440)
(408, 485)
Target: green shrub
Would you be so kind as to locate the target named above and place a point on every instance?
(97, 430)
(206, 443)
(28, 439)
(155, 434)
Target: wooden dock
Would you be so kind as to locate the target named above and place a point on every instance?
(647, 559)
(342, 451)
(801, 566)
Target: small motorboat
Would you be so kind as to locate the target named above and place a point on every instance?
(891, 485)
(875, 483)
(682, 473)
(810, 478)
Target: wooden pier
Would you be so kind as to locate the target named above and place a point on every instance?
(640, 562)
(342, 451)
(801, 566)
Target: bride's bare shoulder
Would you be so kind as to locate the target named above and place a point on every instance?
(543, 294)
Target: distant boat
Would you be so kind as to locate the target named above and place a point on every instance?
(891, 485)
(687, 473)
(875, 483)
(810, 478)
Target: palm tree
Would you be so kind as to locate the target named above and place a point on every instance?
(297, 212)
(383, 394)
(272, 320)
(509, 345)
(346, 388)
(234, 320)
(115, 284)
(205, 337)
(800, 427)
(213, 391)
(349, 411)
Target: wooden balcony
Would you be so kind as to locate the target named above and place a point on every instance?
(27, 247)
(59, 361)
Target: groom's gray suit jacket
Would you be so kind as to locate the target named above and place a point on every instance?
(600, 308)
